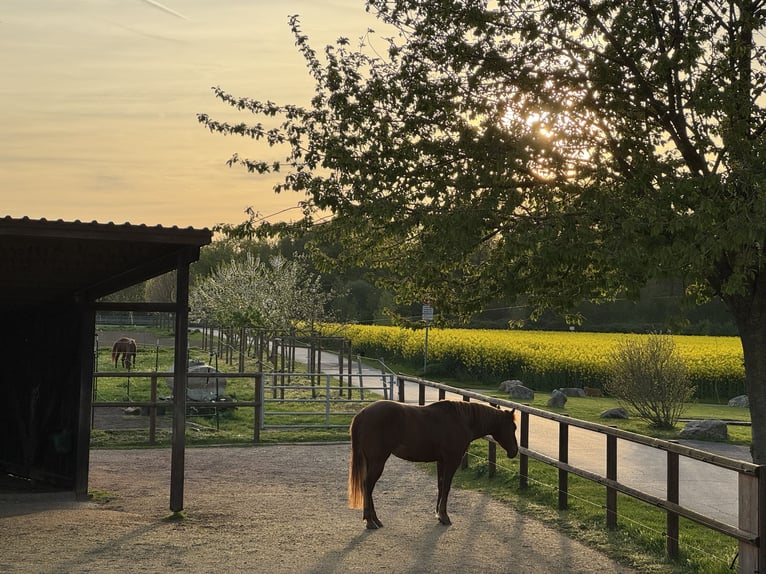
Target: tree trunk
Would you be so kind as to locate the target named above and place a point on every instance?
(748, 311)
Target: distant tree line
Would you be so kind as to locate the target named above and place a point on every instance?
(662, 306)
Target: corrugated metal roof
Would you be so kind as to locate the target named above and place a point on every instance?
(44, 261)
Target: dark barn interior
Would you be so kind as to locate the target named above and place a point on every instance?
(52, 276)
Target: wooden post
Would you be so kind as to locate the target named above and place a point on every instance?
(421, 394)
(181, 367)
(153, 410)
(492, 457)
(523, 458)
(257, 413)
(350, 347)
(85, 403)
(442, 394)
(672, 494)
(563, 474)
(400, 383)
(611, 473)
(748, 520)
(464, 462)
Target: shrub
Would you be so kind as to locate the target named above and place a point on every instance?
(648, 375)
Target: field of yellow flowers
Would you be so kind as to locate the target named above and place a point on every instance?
(545, 359)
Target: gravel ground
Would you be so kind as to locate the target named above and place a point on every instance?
(273, 509)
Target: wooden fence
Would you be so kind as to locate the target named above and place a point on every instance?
(751, 477)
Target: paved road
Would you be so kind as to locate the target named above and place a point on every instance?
(704, 488)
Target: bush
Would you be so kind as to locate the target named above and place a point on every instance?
(648, 376)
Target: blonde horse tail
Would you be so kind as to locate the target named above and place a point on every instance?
(357, 469)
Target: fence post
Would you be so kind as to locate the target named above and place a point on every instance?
(611, 474)
(421, 394)
(492, 456)
(153, 410)
(563, 474)
(258, 408)
(400, 382)
(672, 495)
(464, 462)
(523, 458)
(752, 515)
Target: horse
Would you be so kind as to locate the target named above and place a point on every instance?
(439, 432)
(127, 348)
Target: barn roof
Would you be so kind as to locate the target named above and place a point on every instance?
(45, 261)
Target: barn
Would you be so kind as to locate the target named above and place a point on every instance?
(53, 276)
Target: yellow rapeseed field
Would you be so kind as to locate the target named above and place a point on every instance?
(546, 359)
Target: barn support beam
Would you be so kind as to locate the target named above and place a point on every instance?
(82, 439)
(181, 366)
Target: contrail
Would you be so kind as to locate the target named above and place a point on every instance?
(165, 9)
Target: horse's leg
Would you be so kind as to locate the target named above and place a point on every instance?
(446, 474)
(439, 489)
(374, 470)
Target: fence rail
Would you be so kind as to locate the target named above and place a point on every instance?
(269, 390)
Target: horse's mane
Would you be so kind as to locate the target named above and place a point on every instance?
(472, 412)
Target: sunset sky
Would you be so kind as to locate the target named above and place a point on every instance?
(99, 98)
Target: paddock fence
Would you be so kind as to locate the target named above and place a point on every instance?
(338, 396)
(310, 400)
(751, 522)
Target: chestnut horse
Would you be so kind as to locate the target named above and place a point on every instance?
(438, 432)
(127, 348)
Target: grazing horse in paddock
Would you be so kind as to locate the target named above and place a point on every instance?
(439, 432)
(126, 348)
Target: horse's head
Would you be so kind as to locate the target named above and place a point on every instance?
(506, 434)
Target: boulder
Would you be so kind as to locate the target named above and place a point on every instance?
(740, 401)
(517, 390)
(521, 392)
(506, 386)
(711, 429)
(615, 413)
(557, 400)
(573, 391)
(204, 388)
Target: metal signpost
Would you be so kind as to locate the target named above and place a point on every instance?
(428, 317)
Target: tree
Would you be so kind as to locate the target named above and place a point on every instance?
(275, 297)
(563, 149)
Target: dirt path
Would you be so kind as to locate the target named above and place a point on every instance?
(273, 509)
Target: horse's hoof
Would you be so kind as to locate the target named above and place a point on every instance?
(372, 525)
(445, 520)
(378, 522)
